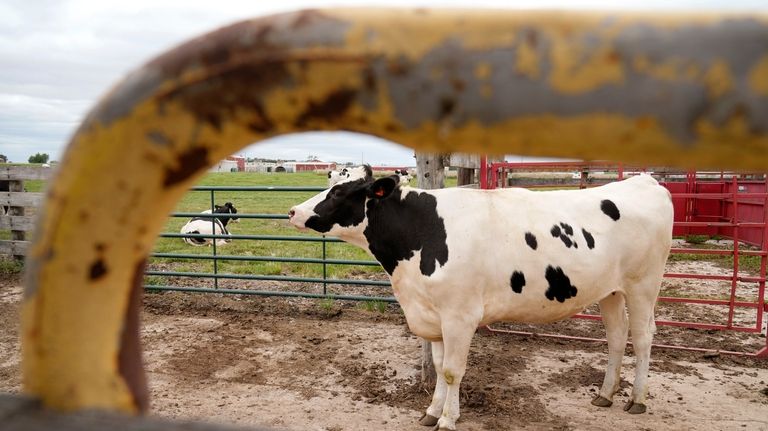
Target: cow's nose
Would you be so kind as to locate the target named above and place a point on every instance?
(291, 213)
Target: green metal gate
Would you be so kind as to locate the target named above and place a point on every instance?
(216, 257)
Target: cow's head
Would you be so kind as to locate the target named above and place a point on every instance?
(405, 176)
(227, 208)
(340, 210)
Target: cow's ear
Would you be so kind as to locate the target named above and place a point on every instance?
(382, 187)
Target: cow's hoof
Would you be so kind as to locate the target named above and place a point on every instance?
(428, 420)
(601, 401)
(634, 408)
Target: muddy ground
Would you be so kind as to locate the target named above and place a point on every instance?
(294, 364)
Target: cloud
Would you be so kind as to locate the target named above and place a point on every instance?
(339, 147)
(57, 57)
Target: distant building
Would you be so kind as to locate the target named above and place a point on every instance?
(392, 168)
(224, 166)
(309, 166)
(240, 160)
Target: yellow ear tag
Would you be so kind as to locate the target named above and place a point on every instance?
(379, 192)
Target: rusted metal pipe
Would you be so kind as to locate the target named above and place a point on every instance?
(684, 89)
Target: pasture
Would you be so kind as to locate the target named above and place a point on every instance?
(293, 363)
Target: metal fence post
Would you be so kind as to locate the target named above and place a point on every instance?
(325, 268)
(213, 230)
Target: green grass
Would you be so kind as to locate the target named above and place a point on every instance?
(374, 306)
(10, 266)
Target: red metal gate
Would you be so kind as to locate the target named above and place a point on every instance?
(720, 205)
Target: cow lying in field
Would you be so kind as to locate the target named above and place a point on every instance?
(462, 258)
(204, 226)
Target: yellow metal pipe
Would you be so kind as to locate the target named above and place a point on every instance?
(680, 90)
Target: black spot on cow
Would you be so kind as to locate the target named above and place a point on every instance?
(567, 228)
(517, 281)
(610, 209)
(98, 270)
(590, 239)
(560, 287)
(343, 205)
(196, 240)
(566, 240)
(398, 227)
(530, 239)
(555, 231)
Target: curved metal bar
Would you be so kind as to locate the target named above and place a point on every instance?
(649, 89)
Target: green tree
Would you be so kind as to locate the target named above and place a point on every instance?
(39, 158)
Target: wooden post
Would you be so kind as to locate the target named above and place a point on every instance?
(465, 176)
(16, 211)
(430, 171)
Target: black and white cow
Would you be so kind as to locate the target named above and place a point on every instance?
(461, 258)
(335, 177)
(404, 176)
(204, 226)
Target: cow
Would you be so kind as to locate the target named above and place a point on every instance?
(461, 258)
(404, 176)
(335, 177)
(210, 225)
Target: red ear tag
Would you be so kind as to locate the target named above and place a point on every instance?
(379, 192)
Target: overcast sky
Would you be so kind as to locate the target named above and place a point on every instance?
(57, 57)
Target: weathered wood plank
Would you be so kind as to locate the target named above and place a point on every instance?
(16, 172)
(21, 223)
(14, 248)
(21, 199)
(25, 414)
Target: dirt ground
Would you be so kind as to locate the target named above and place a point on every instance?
(293, 364)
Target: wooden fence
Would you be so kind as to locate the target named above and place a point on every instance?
(16, 202)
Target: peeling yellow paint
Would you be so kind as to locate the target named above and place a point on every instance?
(483, 71)
(758, 77)
(527, 60)
(71, 325)
(571, 75)
(667, 70)
(718, 79)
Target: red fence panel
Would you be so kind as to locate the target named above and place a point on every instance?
(724, 205)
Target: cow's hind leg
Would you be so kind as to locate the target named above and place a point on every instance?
(642, 326)
(435, 409)
(615, 321)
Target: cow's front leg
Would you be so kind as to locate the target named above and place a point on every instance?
(457, 337)
(438, 397)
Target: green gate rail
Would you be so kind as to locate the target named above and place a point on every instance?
(216, 275)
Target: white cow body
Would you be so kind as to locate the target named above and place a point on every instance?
(210, 226)
(480, 245)
(485, 229)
